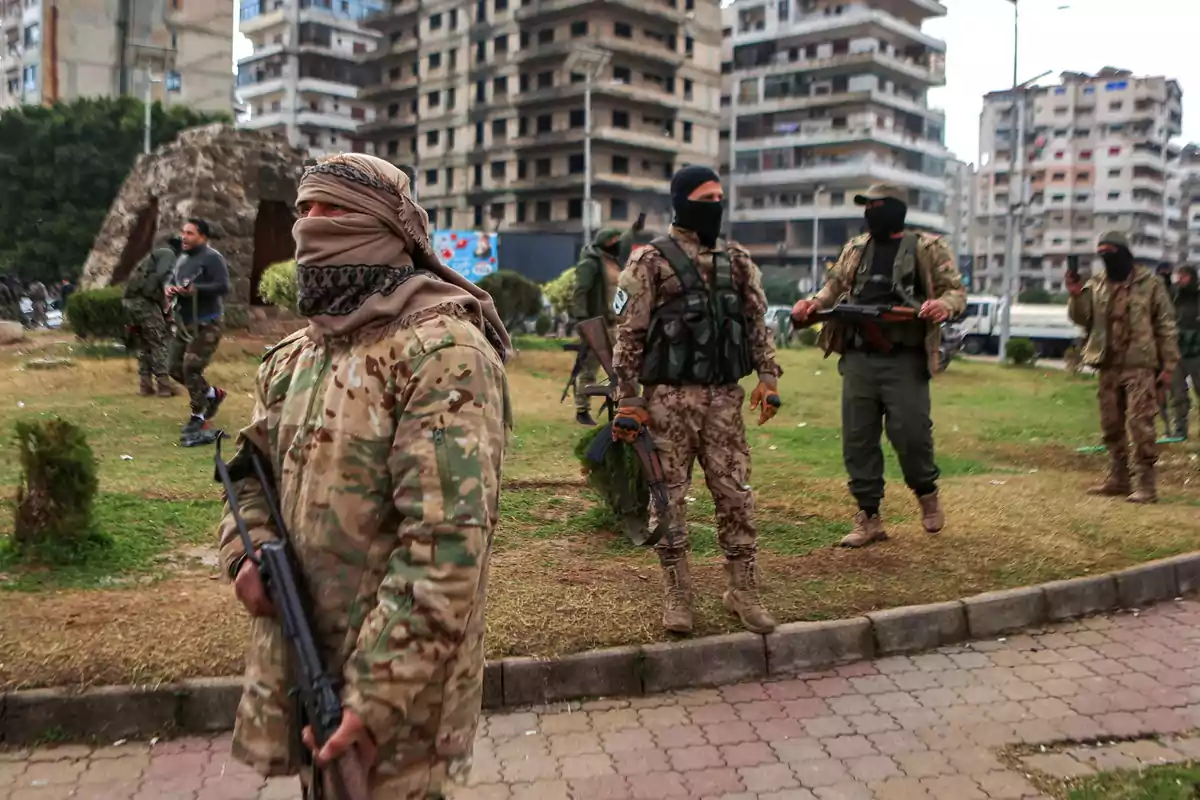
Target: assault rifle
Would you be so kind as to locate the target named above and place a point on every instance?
(319, 704)
(867, 318)
(594, 334)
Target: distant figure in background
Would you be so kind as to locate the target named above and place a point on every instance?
(1185, 295)
(596, 277)
(37, 296)
(66, 288)
(145, 310)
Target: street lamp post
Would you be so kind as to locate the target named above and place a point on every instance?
(591, 62)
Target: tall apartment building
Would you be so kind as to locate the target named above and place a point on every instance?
(485, 99)
(68, 49)
(1098, 158)
(1187, 174)
(304, 75)
(960, 211)
(828, 97)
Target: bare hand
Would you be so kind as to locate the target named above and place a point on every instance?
(249, 588)
(803, 310)
(934, 311)
(352, 731)
(1074, 284)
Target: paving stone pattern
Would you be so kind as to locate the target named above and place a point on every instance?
(898, 728)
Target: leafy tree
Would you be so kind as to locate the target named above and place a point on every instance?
(517, 298)
(61, 167)
(559, 291)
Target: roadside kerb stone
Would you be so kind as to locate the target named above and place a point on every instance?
(1079, 597)
(802, 646)
(710, 661)
(1145, 584)
(612, 672)
(493, 684)
(913, 628)
(108, 712)
(1187, 572)
(207, 705)
(993, 613)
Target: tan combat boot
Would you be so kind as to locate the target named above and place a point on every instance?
(677, 591)
(146, 387)
(1146, 491)
(1117, 482)
(165, 387)
(867, 530)
(742, 598)
(932, 516)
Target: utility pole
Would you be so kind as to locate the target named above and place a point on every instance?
(1011, 230)
(591, 62)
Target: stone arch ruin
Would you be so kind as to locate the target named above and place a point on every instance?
(243, 182)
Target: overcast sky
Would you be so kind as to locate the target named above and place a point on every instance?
(1149, 37)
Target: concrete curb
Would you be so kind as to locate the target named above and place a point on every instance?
(207, 705)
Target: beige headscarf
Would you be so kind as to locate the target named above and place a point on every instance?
(376, 263)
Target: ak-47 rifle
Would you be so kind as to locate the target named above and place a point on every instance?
(594, 334)
(319, 704)
(867, 318)
(581, 354)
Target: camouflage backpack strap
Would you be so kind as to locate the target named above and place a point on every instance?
(680, 264)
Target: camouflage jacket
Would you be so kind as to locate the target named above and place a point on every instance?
(936, 267)
(590, 296)
(1152, 330)
(648, 281)
(387, 448)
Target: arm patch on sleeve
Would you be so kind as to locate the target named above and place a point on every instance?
(620, 301)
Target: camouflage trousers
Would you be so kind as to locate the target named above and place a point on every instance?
(38, 315)
(1129, 400)
(192, 350)
(153, 350)
(588, 374)
(704, 423)
(1181, 403)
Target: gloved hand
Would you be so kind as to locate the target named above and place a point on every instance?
(629, 422)
(766, 398)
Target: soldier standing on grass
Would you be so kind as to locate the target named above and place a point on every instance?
(1131, 339)
(144, 303)
(889, 266)
(596, 277)
(691, 324)
(1185, 296)
(198, 286)
(385, 425)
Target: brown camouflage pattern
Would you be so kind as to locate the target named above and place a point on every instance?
(701, 423)
(387, 446)
(1146, 340)
(649, 282)
(154, 348)
(1129, 401)
(192, 350)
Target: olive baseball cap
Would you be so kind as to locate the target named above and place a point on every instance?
(1114, 238)
(882, 191)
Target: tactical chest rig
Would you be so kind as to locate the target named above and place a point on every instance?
(905, 288)
(699, 337)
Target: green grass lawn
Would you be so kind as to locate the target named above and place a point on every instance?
(1152, 783)
(563, 581)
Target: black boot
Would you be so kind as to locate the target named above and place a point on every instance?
(584, 417)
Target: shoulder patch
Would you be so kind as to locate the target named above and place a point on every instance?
(620, 301)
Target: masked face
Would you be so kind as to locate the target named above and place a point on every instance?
(701, 217)
(886, 219)
(1118, 264)
(612, 248)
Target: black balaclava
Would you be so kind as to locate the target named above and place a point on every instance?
(1118, 264)
(700, 217)
(886, 219)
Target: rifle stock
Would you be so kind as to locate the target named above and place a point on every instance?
(594, 334)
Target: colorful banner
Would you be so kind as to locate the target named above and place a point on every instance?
(469, 253)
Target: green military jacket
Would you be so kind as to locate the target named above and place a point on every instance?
(1152, 340)
(150, 276)
(1187, 319)
(590, 295)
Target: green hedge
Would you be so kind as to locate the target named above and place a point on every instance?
(97, 314)
(278, 286)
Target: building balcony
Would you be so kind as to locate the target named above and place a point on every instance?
(392, 52)
(549, 10)
(607, 134)
(258, 17)
(642, 51)
(261, 88)
(932, 73)
(400, 15)
(815, 134)
(390, 91)
(811, 101)
(381, 127)
(848, 211)
(860, 23)
(655, 10)
(859, 172)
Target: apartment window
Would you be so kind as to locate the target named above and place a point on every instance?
(481, 11)
(431, 177)
(1058, 156)
(618, 209)
(545, 123)
(30, 78)
(1114, 195)
(432, 212)
(435, 60)
(500, 44)
(449, 184)
(523, 83)
(1115, 106)
(520, 211)
(689, 45)
(500, 5)
(449, 138)
(434, 98)
(542, 211)
(546, 36)
(620, 165)
(687, 131)
(1114, 151)
(497, 211)
(480, 52)
(499, 129)
(500, 86)
(1081, 198)
(453, 23)
(394, 74)
(522, 169)
(478, 175)
(480, 92)
(545, 80)
(575, 208)
(359, 114)
(542, 168)
(33, 34)
(524, 39)
(1085, 155)
(687, 88)
(620, 119)
(1083, 176)
(479, 133)
(623, 30)
(1114, 173)
(622, 74)
(431, 138)
(1058, 176)
(498, 170)
(577, 77)
(393, 147)
(435, 21)
(451, 97)
(453, 57)
(575, 163)
(578, 118)
(579, 28)
(478, 217)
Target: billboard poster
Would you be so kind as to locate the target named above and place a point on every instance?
(471, 254)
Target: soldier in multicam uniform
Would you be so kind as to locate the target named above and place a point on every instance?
(690, 316)
(889, 266)
(144, 302)
(596, 277)
(1185, 295)
(37, 297)
(385, 423)
(1131, 339)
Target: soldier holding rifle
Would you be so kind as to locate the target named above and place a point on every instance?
(910, 284)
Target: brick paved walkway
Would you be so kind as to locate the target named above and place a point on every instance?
(926, 726)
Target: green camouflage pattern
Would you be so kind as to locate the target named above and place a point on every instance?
(192, 350)
(1149, 326)
(387, 449)
(936, 266)
(153, 336)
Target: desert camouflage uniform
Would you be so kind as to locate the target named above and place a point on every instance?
(37, 296)
(387, 448)
(697, 422)
(1131, 338)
